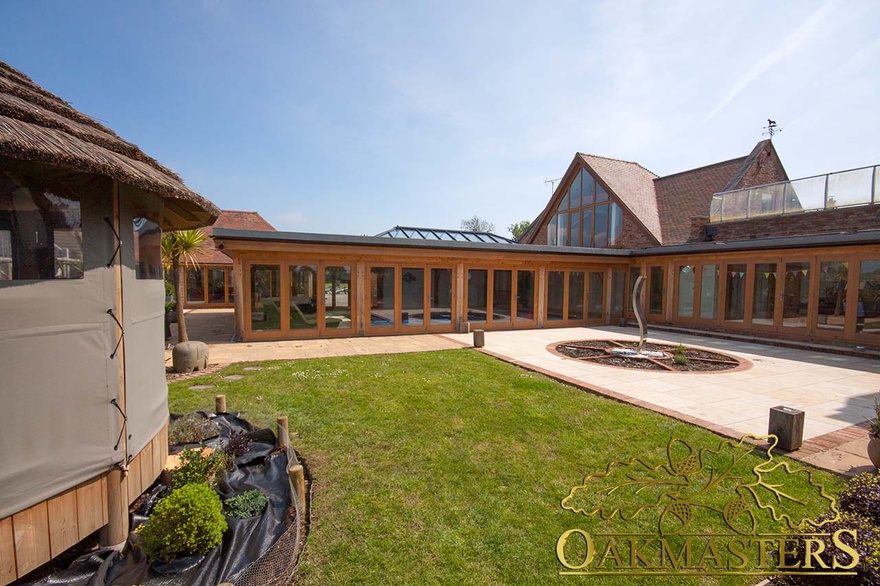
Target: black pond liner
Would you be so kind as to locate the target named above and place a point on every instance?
(245, 541)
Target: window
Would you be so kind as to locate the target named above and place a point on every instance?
(441, 296)
(709, 292)
(265, 297)
(655, 299)
(764, 294)
(147, 249)
(195, 285)
(555, 295)
(478, 283)
(525, 295)
(40, 232)
(502, 291)
(833, 277)
(582, 219)
(796, 294)
(412, 297)
(303, 297)
(685, 291)
(382, 296)
(868, 309)
(734, 307)
(337, 297)
(576, 287)
(596, 295)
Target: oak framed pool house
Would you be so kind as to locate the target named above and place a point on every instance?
(734, 246)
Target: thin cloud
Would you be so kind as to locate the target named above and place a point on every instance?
(792, 43)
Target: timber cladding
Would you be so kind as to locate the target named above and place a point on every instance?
(32, 537)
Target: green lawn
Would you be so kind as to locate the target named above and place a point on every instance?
(445, 467)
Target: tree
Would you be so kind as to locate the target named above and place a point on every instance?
(178, 252)
(517, 229)
(477, 224)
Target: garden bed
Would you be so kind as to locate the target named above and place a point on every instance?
(695, 359)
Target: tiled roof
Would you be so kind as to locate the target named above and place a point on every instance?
(632, 184)
(234, 220)
(689, 193)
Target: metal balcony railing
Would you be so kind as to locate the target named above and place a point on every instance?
(833, 190)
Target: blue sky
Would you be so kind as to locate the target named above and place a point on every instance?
(354, 117)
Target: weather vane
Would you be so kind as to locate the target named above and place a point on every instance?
(771, 129)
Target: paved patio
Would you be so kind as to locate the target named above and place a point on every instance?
(835, 392)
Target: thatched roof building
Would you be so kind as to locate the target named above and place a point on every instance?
(38, 126)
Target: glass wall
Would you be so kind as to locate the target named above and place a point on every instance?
(525, 295)
(555, 295)
(735, 301)
(477, 295)
(441, 296)
(868, 309)
(709, 292)
(382, 297)
(337, 297)
(686, 288)
(412, 297)
(833, 277)
(265, 297)
(796, 295)
(207, 285)
(502, 293)
(634, 274)
(303, 297)
(764, 294)
(582, 219)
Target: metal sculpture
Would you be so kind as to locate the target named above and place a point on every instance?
(637, 302)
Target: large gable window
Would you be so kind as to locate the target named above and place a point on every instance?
(585, 216)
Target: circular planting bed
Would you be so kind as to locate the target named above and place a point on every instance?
(654, 357)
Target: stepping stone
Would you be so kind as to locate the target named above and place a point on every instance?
(252, 368)
(201, 387)
(234, 377)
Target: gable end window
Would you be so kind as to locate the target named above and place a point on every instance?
(585, 217)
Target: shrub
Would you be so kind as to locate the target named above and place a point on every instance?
(192, 428)
(680, 355)
(188, 521)
(199, 467)
(874, 430)
(238, 444)
(862, 497)
(246, 505)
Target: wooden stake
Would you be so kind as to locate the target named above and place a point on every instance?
(298, 480)
(220, 404)
(283, 435)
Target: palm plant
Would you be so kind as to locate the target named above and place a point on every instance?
(179, 250)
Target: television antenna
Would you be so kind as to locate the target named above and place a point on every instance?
(771, 129)
(552, 183)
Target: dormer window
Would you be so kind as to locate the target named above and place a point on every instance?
(585, 216)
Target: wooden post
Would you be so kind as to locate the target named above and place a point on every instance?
(220, 404)
(479, 338)
(116, 531)
(283, 435)
(298, 481)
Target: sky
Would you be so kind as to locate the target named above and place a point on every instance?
(354, 117)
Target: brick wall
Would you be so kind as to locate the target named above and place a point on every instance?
(767, 168)
(634, 235)
(830, 221)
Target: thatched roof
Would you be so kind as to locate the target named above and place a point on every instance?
(36, 125)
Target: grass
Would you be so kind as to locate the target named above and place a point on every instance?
(444, 467)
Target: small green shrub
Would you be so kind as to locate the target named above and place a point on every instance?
(197, 467)
(188, 521)
(246, 505)
(680, 355)
(874, 430)
(192, 428)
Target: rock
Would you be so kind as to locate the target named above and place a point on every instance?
(189, 356)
